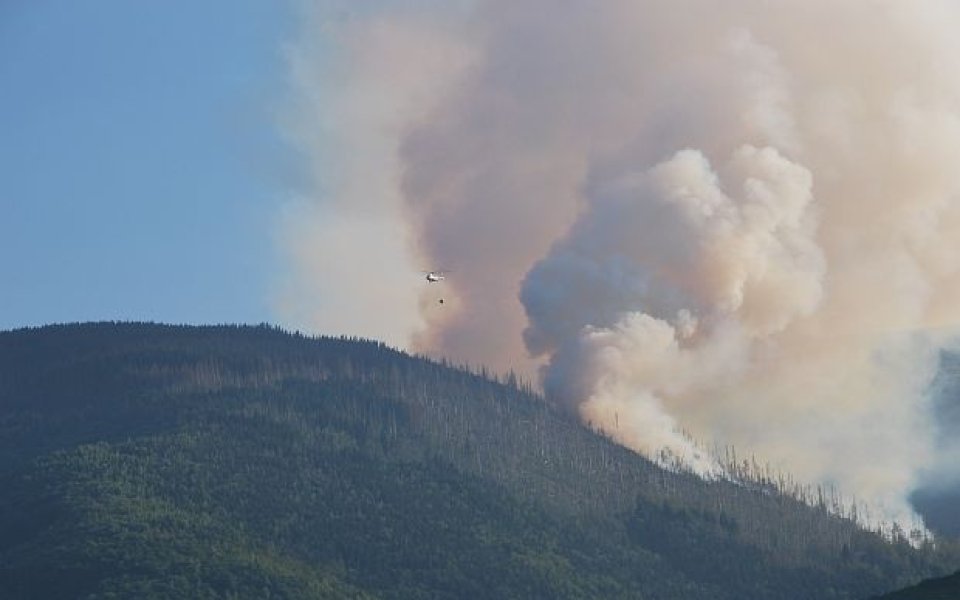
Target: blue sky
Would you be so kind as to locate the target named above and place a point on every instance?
(141, 166)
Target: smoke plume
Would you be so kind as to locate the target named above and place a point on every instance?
(732, 221)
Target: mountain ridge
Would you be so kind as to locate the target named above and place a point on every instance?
(940, 588)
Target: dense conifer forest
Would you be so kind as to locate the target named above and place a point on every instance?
(153, 461)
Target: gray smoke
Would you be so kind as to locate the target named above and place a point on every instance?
(729, 221)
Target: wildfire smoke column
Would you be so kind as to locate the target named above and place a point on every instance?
(736, 219)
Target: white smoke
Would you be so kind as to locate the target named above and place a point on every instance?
(357, 81)
(665, 283)
(735, 220)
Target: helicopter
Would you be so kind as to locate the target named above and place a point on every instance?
(435, 276)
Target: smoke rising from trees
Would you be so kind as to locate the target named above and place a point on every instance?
(733, 219)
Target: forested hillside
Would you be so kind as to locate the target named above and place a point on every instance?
(150, 461)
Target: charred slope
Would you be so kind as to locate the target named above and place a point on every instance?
(141, 460)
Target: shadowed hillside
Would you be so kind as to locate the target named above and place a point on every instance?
(148, 461)
(943, 588)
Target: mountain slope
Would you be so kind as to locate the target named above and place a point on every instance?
(942, 588)
(154, 461)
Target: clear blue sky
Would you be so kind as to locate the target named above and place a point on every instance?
(141, 167)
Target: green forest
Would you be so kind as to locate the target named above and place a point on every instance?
(153, 461)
